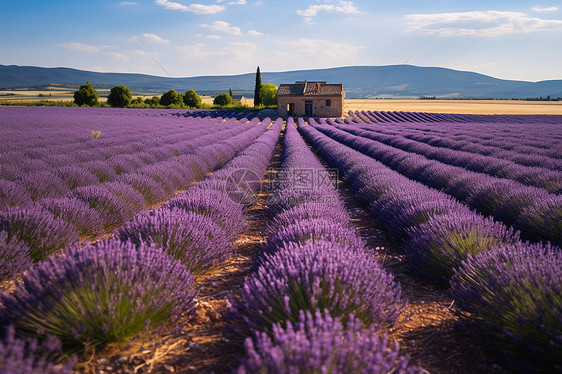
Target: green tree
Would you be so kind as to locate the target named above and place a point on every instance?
(154, 101)
(268, 94)
(230, 92)
(223, 100)
(170, 98)
(191, 99)
(119, 96)
(257, 97)
(86, 95)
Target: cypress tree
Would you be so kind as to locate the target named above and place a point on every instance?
(230, 92)
(257, 97)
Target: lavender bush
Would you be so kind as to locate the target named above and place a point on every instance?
(215, 204)
(514, 293)
(113, 210)
(312, 276)
(38, 229)
(19, 356)
(439, 246)
(86, 220)
(191, 238)
(90, 297)
(318, 343)
(14, 257)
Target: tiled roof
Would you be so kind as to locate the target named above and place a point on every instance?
(310, 89)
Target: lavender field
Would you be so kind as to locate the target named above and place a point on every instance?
(145, 240)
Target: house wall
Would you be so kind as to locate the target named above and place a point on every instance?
(319, 108)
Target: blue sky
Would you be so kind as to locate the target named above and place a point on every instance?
(506, 39)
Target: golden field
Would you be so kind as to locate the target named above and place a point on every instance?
(457, 106)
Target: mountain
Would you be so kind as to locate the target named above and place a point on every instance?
(406, 81)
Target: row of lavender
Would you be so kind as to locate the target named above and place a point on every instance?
(32, 233)
(36, 166)
(509, 289)
(502, 141)
(544, 175)
(534, 211)
(316, 301)
(402, 116)
(139, 281)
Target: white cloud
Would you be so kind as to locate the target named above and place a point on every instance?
(117, 55)
(223, 27)
(152, 38)
(193, 8)
(196, 52)
(234, 2)
(544, 10)
(479, 23)
(345, 7)
(126, 3)
(255, 33)
(81, 47)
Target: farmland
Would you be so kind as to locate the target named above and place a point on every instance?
(211, 241)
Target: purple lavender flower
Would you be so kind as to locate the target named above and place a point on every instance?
(192, 238)
(87, 221)
(14, 257)
(19, 356)
(514, 295)
(13, 194)
(42, 184)
(216, 205)
(113, 210)
(152, 192)
(90, 297)
(38, 229)
(438, 246)
(543, 220)
(314, 230)
(305, 211)
(320, 275)
(318, 343)
(76, 176)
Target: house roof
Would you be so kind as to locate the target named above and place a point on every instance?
(306, 88)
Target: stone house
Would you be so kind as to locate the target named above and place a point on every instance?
(310, 99)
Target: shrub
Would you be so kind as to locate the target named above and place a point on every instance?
(170, 98)
(312, 276)
(38, 229)
(514, 295)
(318, 343)
(151, 191)
(218, 206)
(42, 184)
(119, 96)
(112, 210)
(268, 94)
(86, 95)
(19, 356)
(90, 297)
(87, 221)
(14, 257)
(314, 230)
(223, 100)
(543, 220)
(76, 176)
(332, 213)
(438, 246)
(193, 239)
(191, 99)
(13, 194)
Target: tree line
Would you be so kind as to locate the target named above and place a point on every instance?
(120, 97)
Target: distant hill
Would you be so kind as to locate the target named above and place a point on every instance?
(358, 81)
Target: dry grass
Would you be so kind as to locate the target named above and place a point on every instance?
(457, 106)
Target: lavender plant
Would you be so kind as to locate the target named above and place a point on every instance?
(19, 356)
(38, 229)
(86, 220)
(319, 343)
(438, 246)
(191, 238)
(514, 294)
(14, 257)
(94, 296)
(320, 275)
